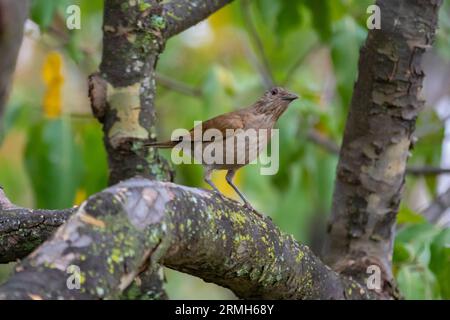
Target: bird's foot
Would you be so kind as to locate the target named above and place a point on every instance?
(219, 194)
(249, 207)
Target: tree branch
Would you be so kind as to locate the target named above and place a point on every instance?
(13, 14)
(292, 70)
(263, 62)
(178, 86)
(377, 138)
(437, 208)
(427, 171)
(122, 93)
(181, 14)
(22, 230)
(140, 222)
(323, 141)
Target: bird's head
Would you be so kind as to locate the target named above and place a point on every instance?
(275, 101)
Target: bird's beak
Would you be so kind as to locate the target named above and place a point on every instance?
(290, 97)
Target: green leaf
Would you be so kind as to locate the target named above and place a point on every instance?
(53, 163)
(406, 215)
(73, 47)
(402, 252)
(345, 45)
(17, 115)
(440, 261)
(418, 234)
(94, 158)
(42, 11)
(417, 283)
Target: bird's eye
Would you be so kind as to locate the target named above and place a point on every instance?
(274, 91)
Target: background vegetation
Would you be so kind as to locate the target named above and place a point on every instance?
(52, 155)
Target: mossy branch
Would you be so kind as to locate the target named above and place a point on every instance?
(181, 14)
(22, 229)
(122, 93)
(141, 223)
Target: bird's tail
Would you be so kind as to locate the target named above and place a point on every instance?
(162, 145)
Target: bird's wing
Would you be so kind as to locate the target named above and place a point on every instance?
(232, 120)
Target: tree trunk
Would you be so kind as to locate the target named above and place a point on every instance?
(378, 138)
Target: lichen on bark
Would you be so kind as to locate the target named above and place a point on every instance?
(143, 223)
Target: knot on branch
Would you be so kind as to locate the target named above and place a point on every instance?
(97, 95)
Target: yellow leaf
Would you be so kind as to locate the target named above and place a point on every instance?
(80, 196)
(53, 79)
(221, 17)
(218, 178)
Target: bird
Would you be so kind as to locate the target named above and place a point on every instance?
(261, 116)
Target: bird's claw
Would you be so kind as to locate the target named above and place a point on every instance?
(249, 207)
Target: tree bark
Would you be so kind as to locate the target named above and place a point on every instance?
(123, 92)
(23, 230)
(378, 138)
(141, 222)
(13, 14)
(130, 228)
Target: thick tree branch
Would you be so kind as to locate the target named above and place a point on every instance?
(141, 222)
(181, 14)
(12, 18)
(377, 139)
(122, 94)
(22, 230)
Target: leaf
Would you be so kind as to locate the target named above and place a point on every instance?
(402, 252)
(18, 115)
(418, 234)
(80, 196)
(73, 47)
(345, 46)
(53, 79)
(54, 163)
(406, 215)
(424, 255)
(42, 11)
(417, 283)
(94, 175)
(440, 261)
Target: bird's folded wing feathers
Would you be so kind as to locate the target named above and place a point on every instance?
(222, 123)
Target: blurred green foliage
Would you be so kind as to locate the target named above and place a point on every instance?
(312, 47)
(422, 260)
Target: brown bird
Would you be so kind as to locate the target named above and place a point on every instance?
(228, 139)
